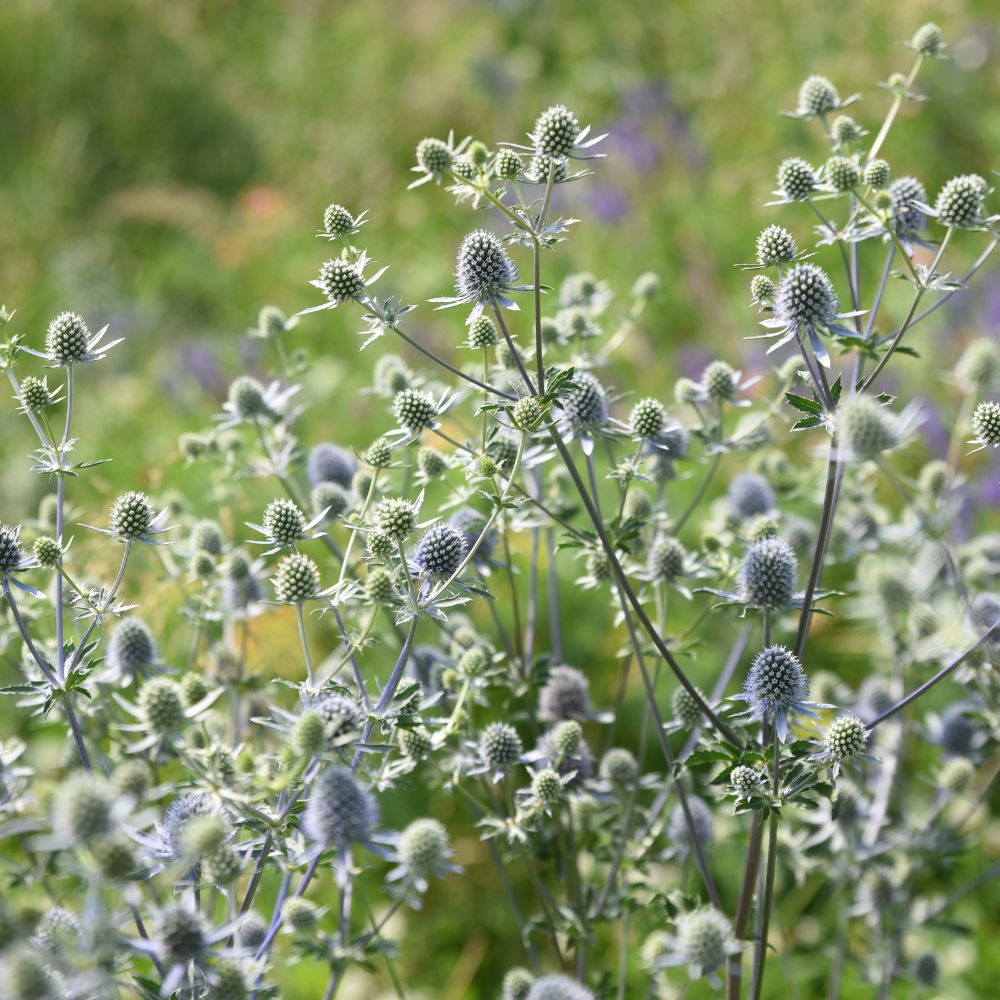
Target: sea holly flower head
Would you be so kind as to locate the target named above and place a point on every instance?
(484, 276)
(342, 279)
(805, 306)
(68, 342)
(776, 689)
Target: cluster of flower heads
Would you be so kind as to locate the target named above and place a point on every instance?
(431, 652)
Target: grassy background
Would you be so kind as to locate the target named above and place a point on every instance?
(163, 166)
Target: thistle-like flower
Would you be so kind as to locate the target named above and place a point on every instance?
(565, 695)
(422, 850)
(133, 519)
(340, 811)
(329, 463)
(804, 307)
(749, 495)
(704, 942)
(69, 342)
(776, 688)
(484, 276)
(818, 97)
(960, 202)
(558, 987)
(844, 740)
(500, 748)
(296, 580)
(986, 425)
(342, 279)
(441, 550)
(284, 525)
(796, 180)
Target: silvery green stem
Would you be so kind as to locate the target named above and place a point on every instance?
(60, 504)
(897, 103)
(631, 596)
(822, 540)
(908, 321)
(696, 847)
(883, 281)
(303, 639)
(939, 676)
(552, 574)
(964, 280)
(44, 667)
(456, 371)
(390, 687)
(760, 956)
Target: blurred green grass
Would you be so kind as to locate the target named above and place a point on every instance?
(163, 168)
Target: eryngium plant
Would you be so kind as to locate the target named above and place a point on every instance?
(207, 828)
